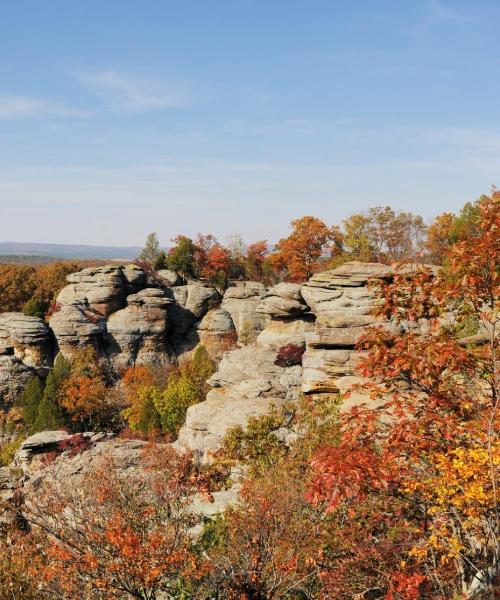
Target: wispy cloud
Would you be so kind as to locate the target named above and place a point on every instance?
(438, 11)
(27, 107)
(125, 94)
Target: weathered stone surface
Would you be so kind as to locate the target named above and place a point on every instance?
(27, 338)
(280, 332)
(77, 326)
(137, 333)
(350, 274)
(241, 302)
(14, 375)
(283, 300)
(168, 277)
(102, 288)
(322, 368)
(256, 364)
(191, 303)
(216, 332)
(208, 422)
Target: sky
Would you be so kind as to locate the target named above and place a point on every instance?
(119, 117)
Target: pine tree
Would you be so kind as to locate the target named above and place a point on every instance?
(29, 402)
(51, 415)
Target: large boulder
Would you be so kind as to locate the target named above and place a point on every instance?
(281, 332)
(283, 300)
(216, 332)
(27, 338)
(77, 326)
(191, 303)
(137, 334)
(241, 301)
(104, 289)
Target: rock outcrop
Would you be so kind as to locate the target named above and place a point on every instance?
(283, 300)
(27, 338)
(241, 301)
(137, 334)
(343, 303)
(14, 375)
(216, 332)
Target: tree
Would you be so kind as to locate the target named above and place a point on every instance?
(181, 257)
(17, 285)
(51, 415)
(35, 308)
(84, 393)
(151, 250)
(160, 261)
(30, 401)
(300, 251)
(256, 255)
(383, 235)
(119, 533)
(426, 462)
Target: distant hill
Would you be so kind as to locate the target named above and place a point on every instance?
(67, 251)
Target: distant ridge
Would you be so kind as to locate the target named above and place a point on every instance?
(69, 250)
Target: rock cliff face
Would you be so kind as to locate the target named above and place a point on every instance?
(326, 316)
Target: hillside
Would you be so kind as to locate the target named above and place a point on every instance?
(66, 251)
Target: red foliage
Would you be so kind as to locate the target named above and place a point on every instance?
(289, 355)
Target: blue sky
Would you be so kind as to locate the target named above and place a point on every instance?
(122, 117)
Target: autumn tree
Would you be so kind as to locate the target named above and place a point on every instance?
(17, 284)
(429, 456)
(297, 255)
(84, 393)
(254, 261)
(383, 235)
(119, 533)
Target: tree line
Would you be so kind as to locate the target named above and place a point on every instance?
(380, 234)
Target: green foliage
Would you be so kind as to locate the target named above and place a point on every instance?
(151, 249)
(181, 257)
(213, 534)
(8, 451)
(255, 445)
(160, 261)
(51, 415)
(35, 308)
(173, 402)
(29, 402)
(149, 420)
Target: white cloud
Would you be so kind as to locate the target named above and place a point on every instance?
(440, 12)
(125, 94)
(26, 107)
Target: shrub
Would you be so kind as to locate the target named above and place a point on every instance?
(8, 450)
(289, 355)
(29, 402)
(51, 415)
(35, 308)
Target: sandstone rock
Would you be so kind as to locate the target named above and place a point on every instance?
(283, 300)
(241, 302)
(280, 332)
(137, 333)
(255, 364)
(350, 274)
(27, 338)
(77, 326)
(322, 368)
(14, 375)
(216, 332)
(169, 278)
(191, 303)
(102, 288)
(208, 422)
